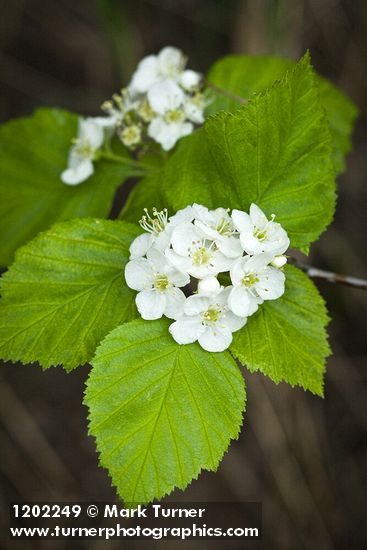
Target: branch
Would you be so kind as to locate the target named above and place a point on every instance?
(331, 277)
(220, 91)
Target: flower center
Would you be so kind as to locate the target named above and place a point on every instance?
(154, 224)
(83, 148)
(260, 234)
(225, 227)
(249, 280)
(174, 116)
(211, 316)
(131, 135)
(146, 112)
(201, 256)
(161, 283)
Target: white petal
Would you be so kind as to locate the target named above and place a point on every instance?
(177, 277)
(196, 304)
(207, 230)
(181, 263)
(167, 134)
(194, 113)
(157, 259)
(183, 237)
(202, 271)
(230, 247)
(234, 322)
(79, 173)
(215, 338)
(92, 132)
(237, 271)
(279, 261)
(139, 274)
(171, 61)
(208, 286)
(139, 247)
(165, 96)
(105, 121)
(175, 301)
(151, 304)
(184, 215)
(256, 264)
(190, 79)
(187, 329)
(220, 262)
(251, 244)
(145, 76)
(242, 221)
(242, 302)
(271, 284)
(221, 298)
(162, 241)
(257, 216)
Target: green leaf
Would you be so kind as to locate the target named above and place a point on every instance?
(274, 151)
(244, 76)
(287, 339)
(65, 292)
(33, 153)
(160, 412)
(146, 194)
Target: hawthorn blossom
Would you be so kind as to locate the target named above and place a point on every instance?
(159, 229)
(201, 244)
(195, 254)
(167, 101)
(168, 64)
(254, 281)
(156, 234)
(83, 151)
(208, 320)
(157, 282)
(258, 234)
(218, 226)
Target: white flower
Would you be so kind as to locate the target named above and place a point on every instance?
(279, 261)
(218, 226)
(258, 234)
(83, 152)
(253, 282)
(166, 99)
(159, 229)
(117, 108)
(157, 282)
(131, 136)
(195, 254)
(208, 286)
(194, 108)
(156, 233)
(168, 64)
(208, 320)
(190, 80)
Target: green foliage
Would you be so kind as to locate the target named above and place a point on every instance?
(65, 292)
(160, 412)
(146, 194)
(286, 339)
(246, 75)
(274, 151)
(34, 152)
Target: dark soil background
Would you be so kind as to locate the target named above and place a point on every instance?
(303, 457)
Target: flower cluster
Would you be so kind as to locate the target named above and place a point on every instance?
(163, 102)
(191, 250)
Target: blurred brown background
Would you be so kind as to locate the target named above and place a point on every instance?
(303, 457)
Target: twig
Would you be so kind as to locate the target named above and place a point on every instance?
(220, 91)
(316, 273)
